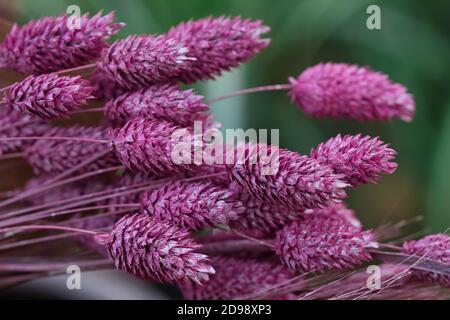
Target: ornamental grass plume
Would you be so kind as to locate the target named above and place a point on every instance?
(360, 159)
(192, 205)
(16, 124)
(52, 157)
(155, 250)
(218, 44)
(434, 247)
(165, 101)
(48, 96)
(285, 178)
(49, 44)
(140, 61)
(134, 183)
(238, 277)
(146, 145)
(340, 90)
(318, 243)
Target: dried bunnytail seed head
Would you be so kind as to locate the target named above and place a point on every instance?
(17, 124)
(152, 249)
(218, 44)
(48, 96)
(147, 145)
(164, 101)
(193, 205)
(360, 159)
(435, 247)
(53, 157)
(262, 216)
(284, 178)
(267, 218)
(103, 87)
(48, 44)
(340, 90)
(338, 209)
(320, 243)
(139, 61)
(238, 277)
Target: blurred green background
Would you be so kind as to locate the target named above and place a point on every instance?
(412, 47)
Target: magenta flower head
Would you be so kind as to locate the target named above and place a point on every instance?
(51, 44)
(434, 247)
(165, 102)
(338, 209)
(139, 61)
(152, 249)
(53, 157)
(16, 124)
(285, 178)
(320, 243)
(103, 87)
(359, 159)
(238, 277)
(261, 216)
(218, 44)
(193, 205)
(340, 90)
(48, 96)
(147, 145)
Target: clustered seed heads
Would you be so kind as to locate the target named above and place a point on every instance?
(49, 95)
(298, 182)
(321, 242)
(156, 250)
(340, 90)
(359, 159)
(265, 222)
(238, 277)
(52, 157)
(165, 102)
(435, 247)
(16, 124)
(48, 44)
(194, 205)
(217, 45)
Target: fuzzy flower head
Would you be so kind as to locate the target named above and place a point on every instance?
(165, 102)
(340, 90)
(139, 61)
(238, 277)
(53, 157)
(218, 44)
(14, 123)
(320, 243)
(434, 247)
(146, 145)
(48, 96)
(193, 206)
(359, 159)
(155, 250)
(262, 216)
(49, 44)
(281, 177)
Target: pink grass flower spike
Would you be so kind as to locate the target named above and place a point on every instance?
(361, 159)
(321, 242)
(48, 96)
(48, 44)
(435, 247)
(155, 250)
(340, 90)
